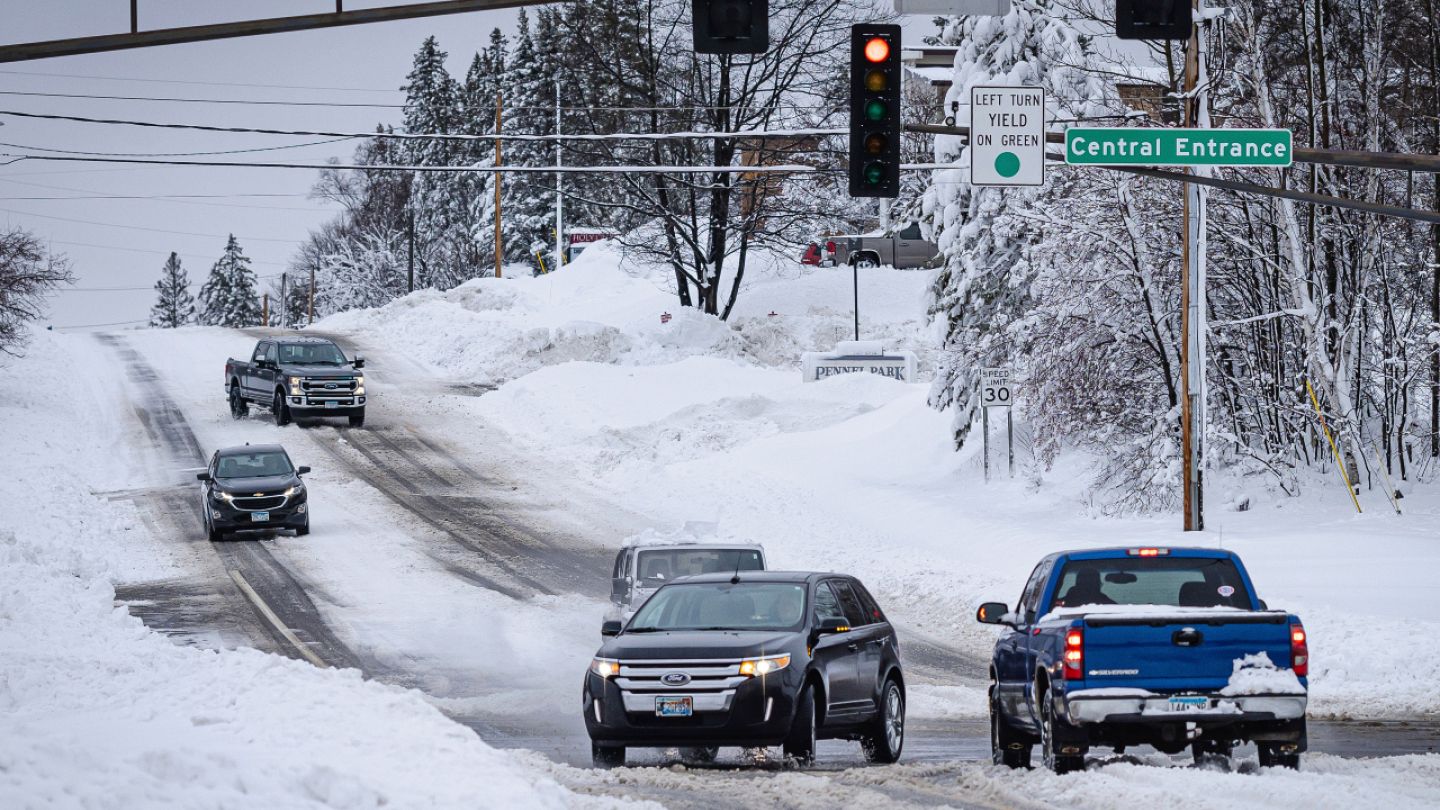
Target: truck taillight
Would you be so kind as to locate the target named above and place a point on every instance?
(830, 246)
(1074, 654)
(1299, 651)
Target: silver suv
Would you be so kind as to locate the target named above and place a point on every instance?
(641, 569)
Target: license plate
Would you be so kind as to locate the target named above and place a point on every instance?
(1189, 703)
(674, 706)
(332, 405)
(259, 517)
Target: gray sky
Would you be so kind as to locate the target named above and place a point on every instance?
(124, 242)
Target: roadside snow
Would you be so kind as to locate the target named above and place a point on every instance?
(98, 711)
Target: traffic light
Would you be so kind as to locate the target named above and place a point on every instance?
(731, 26)
(875, 111)
(1152, 19)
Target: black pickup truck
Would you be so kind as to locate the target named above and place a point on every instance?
(297, 376)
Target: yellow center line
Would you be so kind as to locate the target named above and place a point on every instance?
(274, 620)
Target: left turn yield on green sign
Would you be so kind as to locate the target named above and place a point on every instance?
(1007, 136)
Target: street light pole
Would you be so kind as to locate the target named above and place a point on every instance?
(1192, 349)
(559, 187)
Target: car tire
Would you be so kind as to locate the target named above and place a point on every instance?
(303, 530)
(357, 420)
(239, 408)
(1271, 756)
(215, 534)
(282, 412)
(607, 756)
(699, 756)
(1007, 746)
(799, 745)
(1052, 734)
(886, 738)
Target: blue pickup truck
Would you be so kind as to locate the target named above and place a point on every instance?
(1168, 647)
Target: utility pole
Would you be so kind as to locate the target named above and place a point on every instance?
(410, 234)
(1192, 302)
(284, 301)
(499, 246)
(559, 186)
(265, 310)
(312, 293)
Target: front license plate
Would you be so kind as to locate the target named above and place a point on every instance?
(1189, 703)
(674, 706)
(259, 517)
(332, 404)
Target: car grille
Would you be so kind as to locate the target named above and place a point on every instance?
(260, 504)
(711, 683)
(328, 387)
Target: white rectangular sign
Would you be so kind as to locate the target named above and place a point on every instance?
(822, 365)
(997, 389)
(957, 8)
(1007, 136)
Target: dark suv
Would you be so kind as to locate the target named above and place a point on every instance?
(756, 659)
(254, 487)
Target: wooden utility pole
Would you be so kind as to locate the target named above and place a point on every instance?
(410, 238)
(1192, 301)
(312, 293)
(284, 300)
(265, 310)
(499, 245)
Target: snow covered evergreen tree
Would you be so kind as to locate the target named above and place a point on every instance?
(175, 306)
(439, 201)
(229, 297)
(984, 289)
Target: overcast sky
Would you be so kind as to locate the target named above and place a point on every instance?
(122, 243)
(89, 211)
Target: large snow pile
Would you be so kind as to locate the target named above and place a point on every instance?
(98, 711)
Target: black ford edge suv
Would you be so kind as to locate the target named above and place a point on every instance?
(757, 659)
(254, 487)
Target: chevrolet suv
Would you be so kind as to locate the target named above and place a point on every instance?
(254, 488)
(750, 659)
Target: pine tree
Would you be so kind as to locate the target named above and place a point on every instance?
(440, 202)
(229, 297)
(984, 287)
(529, 198)
(175, 305)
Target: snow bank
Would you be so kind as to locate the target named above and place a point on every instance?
(1257, 675)
(98, 711)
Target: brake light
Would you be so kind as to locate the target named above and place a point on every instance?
(1074, 654)
(1148, 552)
(830, 246)
(1299, 651)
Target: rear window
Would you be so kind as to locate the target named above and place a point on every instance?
(1165, 581)
(658, 566)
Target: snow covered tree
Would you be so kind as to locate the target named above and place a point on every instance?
(228, 297)
(28, 273)
(175, 306)
(984, 289)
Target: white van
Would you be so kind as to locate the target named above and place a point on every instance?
(641, 569)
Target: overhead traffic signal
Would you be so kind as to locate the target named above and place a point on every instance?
(1153, 19)
(731, 26)
(875, 111)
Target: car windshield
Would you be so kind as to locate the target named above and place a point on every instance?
(723, 606)
(1165, 581)
(658, 566)
(311, 354)
(253, 465)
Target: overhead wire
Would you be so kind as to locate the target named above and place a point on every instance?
(325, 142)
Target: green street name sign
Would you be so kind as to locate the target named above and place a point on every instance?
(1129, 146)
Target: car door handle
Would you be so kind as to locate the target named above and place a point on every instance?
(852, 646)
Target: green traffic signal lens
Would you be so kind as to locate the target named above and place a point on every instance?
(875, 143)
(876, 81)
(875, 173)
(877, 110)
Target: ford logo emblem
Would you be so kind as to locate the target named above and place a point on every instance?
(331, 386)
(675, 679)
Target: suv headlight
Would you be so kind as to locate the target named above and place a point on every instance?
(605, 667)
(294, 386)
(221, 497)
(298, 489)
(764, 666)
(359, 386)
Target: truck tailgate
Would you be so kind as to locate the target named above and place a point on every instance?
(1180, 653)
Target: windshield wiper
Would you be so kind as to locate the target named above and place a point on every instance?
(645, 629)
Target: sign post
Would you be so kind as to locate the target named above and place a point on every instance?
(997, 390)
(1007, 136)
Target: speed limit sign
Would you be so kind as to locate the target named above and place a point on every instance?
(996, 388)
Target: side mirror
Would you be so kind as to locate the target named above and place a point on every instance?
(992, 613)
(610, 627)
(359, 361)
(831, 626)
(205, 476)
(301, 470)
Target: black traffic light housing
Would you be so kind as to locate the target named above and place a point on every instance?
(1152, 19)
(731, 26)
(875, 74)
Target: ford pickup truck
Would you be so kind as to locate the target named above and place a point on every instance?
(297, 376)
(905, 250)
(1167, 647)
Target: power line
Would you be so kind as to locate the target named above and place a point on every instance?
(148, 230)
(94, 77)
(179, 154)
(768, 169)
(236, 101)
(194, 256)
